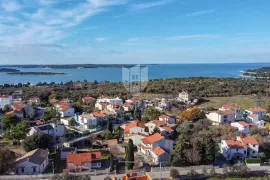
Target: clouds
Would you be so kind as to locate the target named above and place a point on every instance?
(197, 13)
(10, 5)
(194, 36)
(100, 39)
(151, 4)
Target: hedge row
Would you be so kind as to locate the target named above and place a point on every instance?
(253, 160)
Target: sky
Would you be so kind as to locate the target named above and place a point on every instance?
(134, 31)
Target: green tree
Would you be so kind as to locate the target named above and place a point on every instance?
(37, 140)
(117, 133)
(9, 120)
(111, 162)
(18, 131)
(174, 173)
(109, 126)
(137, 114)
(72, 122)
(152, 113)
(130, 155)
(108, 135)
(7, 157)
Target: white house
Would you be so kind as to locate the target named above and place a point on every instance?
(185, 96)
(253, 118)
(5, 100)
(156, 140)
(159, 155)
(134, 128)
(154, 124)
(65, 121)
(260, 112)
(251, 144)
(55, 130)
(221, 117)
(101, 105)
(86, 120)
(167, 119)
(66, 111)
(238, 111)
(239, 148)
(242, 126)
(65, 151)
(33, 162)
(110, 100)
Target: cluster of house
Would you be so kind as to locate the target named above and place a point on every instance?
(153, 138)
(243, 121)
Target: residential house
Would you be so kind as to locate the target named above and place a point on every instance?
(167, 119)
(233, 107)
(83, 162)
(251, 144)
(135, 127)
(110, 100)
(17, 96)
(185, 96)
(242, 126)
(88, 100)
(135, 137)
(5, 100)
(128, 106)
(133, 176)
(166, 131)
(253, 118)
(156, 140)
(65, 121)
(154, 124)
(101, 117)
(33, 162)
(66, 111)
(34, 101)
(239, 148)
(86, 120)
(221, 117)
(55, 130)
(17, 110)
(65, 151)
(159, 155)
(260, 112)
(101, 105)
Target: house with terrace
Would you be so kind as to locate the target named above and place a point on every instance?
(221, 117)
(240, 148)
(52, 129)
(233, 107)
(260, 112)
(148, 144)
(242, 126)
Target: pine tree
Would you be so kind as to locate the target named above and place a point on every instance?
(130, 155)
(109, 126)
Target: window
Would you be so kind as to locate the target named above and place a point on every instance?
(34, 169)
(245, 152)
(22, 169)
(253, 145)
(253, 152)
(236, 149)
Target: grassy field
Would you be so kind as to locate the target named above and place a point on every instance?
(244, 102)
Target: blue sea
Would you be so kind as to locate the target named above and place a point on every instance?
(162, 71)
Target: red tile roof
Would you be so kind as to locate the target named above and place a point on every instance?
(17, 107)
(158, 122)
(4, 96)
(64, 108)
(158, 151)
(133, 124)
(226, 112)
(88, 98)
(230, 106)
(164, 116)
(112, 142)
(252, 116)
(234, 144)
(79, 159)
(168, 129)
(257, 110)
(151, 139)
(98, 114)
(105, 97)
(249, 140)
(243, 123)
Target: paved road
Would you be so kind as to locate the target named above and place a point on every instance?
(156, 174)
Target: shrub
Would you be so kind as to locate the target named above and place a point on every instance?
(252, 160)
(192, 174)
(174, 173)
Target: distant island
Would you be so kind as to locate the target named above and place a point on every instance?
(262, 73)
(9, 70)
(71, 66)
(35, 73)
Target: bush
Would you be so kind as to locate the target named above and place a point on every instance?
(192, 174)
(174, 173)
(252, 160)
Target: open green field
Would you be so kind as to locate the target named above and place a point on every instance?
(244, 102)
